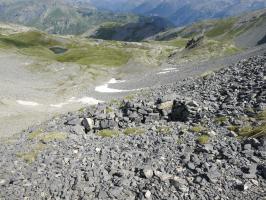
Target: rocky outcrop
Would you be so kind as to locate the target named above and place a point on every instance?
(187, 148)
(194, 42)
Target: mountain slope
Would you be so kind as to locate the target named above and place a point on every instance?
(137, 31)
(60, 17)
(245, 31)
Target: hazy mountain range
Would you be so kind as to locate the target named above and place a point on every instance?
(181, 12)
(69, 16)
(87, 16)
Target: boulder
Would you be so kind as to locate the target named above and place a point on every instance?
(183, 111)
(88, 124)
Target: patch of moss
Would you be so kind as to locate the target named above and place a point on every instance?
(203, 139)
(31, 155)
(134, 131)
(108, 133)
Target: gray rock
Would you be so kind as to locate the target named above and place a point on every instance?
(148, 194)
(148, 173)
(191, 166)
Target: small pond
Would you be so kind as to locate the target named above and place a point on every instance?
(58, 50)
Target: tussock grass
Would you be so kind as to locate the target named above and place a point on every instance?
(203, 139)
(134, 131)
(35, 135)
(255, 132)
(220, 120)
(31, 155)
(207, 74)
(198, 129)
(108, 133)
(262, 116)
(53, 136)
(164, 130)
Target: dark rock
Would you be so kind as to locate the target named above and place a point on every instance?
(88, 124)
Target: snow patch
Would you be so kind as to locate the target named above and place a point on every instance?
(113, 81)
(87, 100)
(165, 71)
(83, 100)
(169, 69)
(105, 89)
(28, 103)
(60, 105)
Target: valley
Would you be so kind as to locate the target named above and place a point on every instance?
(54, 74)
(137, 100)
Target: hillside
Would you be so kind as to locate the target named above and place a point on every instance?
(136, 32)
(200, 138)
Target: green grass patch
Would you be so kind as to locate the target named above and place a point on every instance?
(108, 133)
(262, 116)
(233, 128)
(53, 136)
(221, 27)
(28, 39)
(38, 44)
(254, 132)
(203, 139)
(220, 120)
(35, 135)
(31, 155)
(95, 55)
(231, 50)
(198, 129)
(134, 131)
(109, 110)
(129, 97)
(207, 74)
(180, 42)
